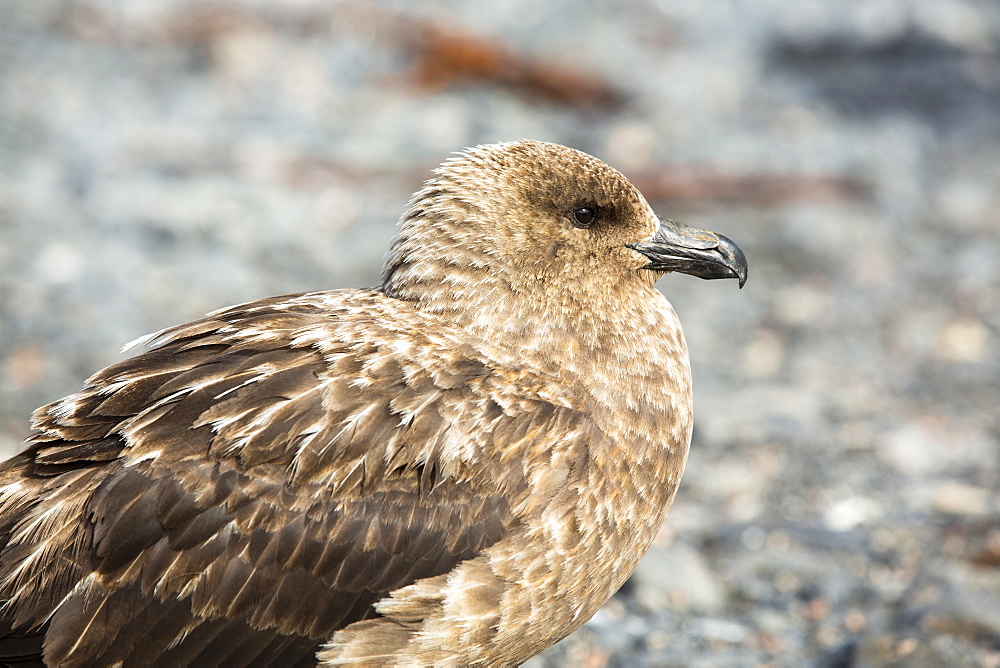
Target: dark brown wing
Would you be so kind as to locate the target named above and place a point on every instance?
(254, 483)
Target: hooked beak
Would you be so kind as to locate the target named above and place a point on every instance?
(677, 247)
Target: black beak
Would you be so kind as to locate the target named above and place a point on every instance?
(677, 247)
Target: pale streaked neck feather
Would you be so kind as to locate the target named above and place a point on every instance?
(622, 343)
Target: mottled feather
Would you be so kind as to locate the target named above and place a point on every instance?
(457, 468)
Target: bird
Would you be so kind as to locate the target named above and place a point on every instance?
(456, 467)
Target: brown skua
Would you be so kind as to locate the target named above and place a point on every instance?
(458, 467)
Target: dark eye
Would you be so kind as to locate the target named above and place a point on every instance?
(585, 216)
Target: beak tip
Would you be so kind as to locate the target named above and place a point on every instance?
(736, 260)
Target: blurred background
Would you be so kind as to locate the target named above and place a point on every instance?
(160, 159)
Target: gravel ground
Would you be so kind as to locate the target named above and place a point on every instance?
(160, 159)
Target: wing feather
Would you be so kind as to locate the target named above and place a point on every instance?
(257, 481)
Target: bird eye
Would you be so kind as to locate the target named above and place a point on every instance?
(584, 217)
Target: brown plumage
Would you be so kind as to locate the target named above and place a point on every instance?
(459, 467)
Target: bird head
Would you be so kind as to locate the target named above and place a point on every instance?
(548, 223)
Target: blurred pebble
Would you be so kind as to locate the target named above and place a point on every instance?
(24, 367)
(679, 575)
(764, 354)
(964, 340)
(957, 498)
(59, 263)
(721, 630)
(802, 304)
(848, 513)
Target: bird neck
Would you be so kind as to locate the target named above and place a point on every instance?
(627, 351)
(583, 328)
